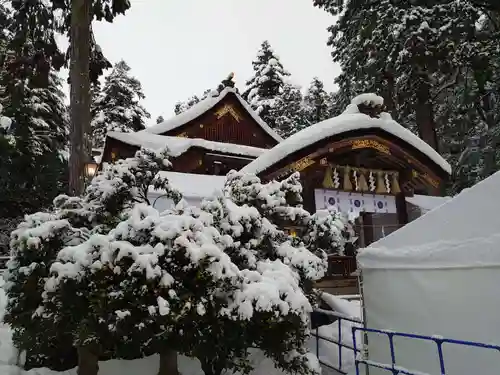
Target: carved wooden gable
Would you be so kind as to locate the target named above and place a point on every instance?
(228, 122)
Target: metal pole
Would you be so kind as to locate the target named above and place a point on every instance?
(364, 351)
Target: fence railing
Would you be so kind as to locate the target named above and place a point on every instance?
(337, 341)
(393, 368)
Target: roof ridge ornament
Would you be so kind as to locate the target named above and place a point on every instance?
(370, 104)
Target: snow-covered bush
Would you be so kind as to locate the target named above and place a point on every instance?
(328, 232)
(113, 276)
(277, 296)
(37, 241)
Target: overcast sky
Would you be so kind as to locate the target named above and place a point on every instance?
(178, 48)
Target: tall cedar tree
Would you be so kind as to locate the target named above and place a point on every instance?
(288, 112)
(39, 21)
(436, 65)
(267, 83)
(117, 107)
(35, 171)
(317, 102)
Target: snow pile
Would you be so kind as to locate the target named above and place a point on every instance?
(350, 120)
(178, 145)
(202, 107)
(368, 98)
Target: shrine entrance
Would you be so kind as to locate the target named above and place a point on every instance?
(361, 163)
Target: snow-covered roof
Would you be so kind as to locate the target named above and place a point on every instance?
(427, 202)
(202, 107)
(179, 145)
(193, 185)
(463, 232)
(348, 121)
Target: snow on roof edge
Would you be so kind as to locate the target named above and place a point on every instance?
(469, 217)
(179, 145)
(199, 108)
(338, 125)
(427, 202)
(434, 255)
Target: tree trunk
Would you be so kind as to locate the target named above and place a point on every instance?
(87, 361)
(80, 91)
(424, 116)
(168, 363)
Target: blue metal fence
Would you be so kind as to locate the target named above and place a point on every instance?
(393, 368)
(338, 342)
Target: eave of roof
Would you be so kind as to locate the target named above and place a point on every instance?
(179, 145)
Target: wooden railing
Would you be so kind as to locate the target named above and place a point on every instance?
(341, 266)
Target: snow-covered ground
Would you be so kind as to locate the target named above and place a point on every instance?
(328, 352)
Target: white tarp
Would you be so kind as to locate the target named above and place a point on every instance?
(354, 203)
(438, 275)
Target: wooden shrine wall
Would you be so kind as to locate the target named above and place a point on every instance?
(227, 122)
(415, 170)
(195, 160)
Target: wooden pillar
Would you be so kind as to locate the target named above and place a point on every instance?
(308, 195)
(402, 209)
(367, 228)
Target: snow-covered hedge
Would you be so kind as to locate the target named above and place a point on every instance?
(37, 241)
(110, 274)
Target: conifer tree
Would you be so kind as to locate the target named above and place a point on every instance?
(117, 108)
(160, 119)
(183, 106)
(37, 135)
(289, 112)
(267, 83)
(71, 221)
(435, 63)
(317, 102)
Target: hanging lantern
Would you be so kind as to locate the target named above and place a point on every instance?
(381, 189)
(347, 179)
(395, 183)
(327, 180)
(363, 186)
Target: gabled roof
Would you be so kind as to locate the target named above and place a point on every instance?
(462, 232)
(346, 122)
(179, 145)
(202, 107)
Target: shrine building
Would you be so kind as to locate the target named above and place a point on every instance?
(361, 162)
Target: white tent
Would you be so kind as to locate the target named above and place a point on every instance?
(439, 275)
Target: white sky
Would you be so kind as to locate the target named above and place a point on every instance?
(178, 48)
